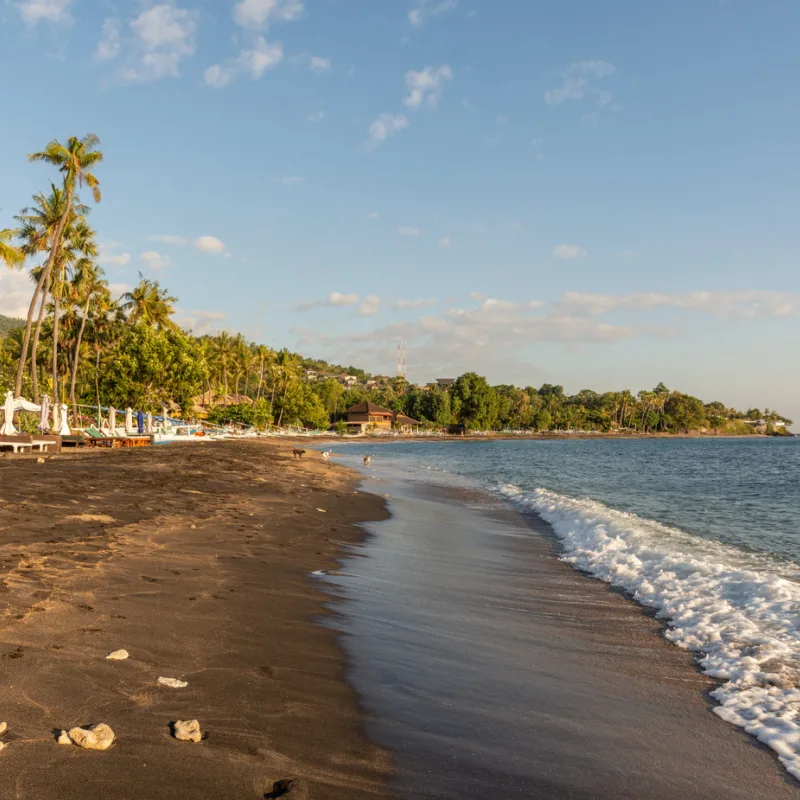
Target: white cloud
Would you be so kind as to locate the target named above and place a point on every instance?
(110, 42)
(370, 307)
(118, 289)
(163, 35)
(201, 322)
(53, 11)
(741, 303)
(209, 244)
(217, 76)
(314, 63)
(167, 239)
(16, 291)
(568, 252)
(373, 215)
(445, 241)
(405, 230)
(155, 260)
(334, 300)
(427, 9)
(385, 126)
(259, 13)
(577, 83)
(119, 260)
(255, 61)
(403, 304)
(291, 180)
(317, 116)
(426, 84)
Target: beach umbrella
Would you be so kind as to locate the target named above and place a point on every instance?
(44, 415)
(140, 422)
(112, 420)
(8, 429)
(129, 421)
(164, 418)
(63, 429)
(149, 425)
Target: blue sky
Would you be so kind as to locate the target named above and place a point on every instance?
(601, 195)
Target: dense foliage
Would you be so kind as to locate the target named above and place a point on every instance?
(78, 342)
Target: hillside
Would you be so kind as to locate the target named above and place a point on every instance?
(9, 323)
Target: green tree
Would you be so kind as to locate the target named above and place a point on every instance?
(477, 401)
(149, 304)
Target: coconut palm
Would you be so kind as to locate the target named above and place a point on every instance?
(148, 303)
(88, 284)
(10, 255)
(75, 161)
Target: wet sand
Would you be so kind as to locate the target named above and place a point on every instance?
(491, 669)
(194, 558)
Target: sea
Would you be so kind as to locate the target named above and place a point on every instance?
(705, 533)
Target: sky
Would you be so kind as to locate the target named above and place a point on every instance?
(599, 195)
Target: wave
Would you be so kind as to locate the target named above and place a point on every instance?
(738, 612)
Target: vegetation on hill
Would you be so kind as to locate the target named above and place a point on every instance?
(80, 344)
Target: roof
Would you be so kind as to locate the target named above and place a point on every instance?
(403, 419)
(445, 381)
(368, 408)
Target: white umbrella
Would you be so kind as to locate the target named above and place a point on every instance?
(8, 428)
(112, 420)
(149, 425)
(44, 415)
(129, 421)
(63, 429)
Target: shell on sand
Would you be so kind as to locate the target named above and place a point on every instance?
(117, 655)
(96, 737)
(187, 730)
(173, 683)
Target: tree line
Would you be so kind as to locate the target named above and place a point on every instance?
(79, 344)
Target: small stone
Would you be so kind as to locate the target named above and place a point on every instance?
(3, 727)
(63, 738)
(193, 526)
(95, 737)
(117, 655)
(187, 730)
(322, 511)
(40, 461)
(2, 746)
(173, 683)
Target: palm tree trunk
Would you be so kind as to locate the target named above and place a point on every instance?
(76, 358)
(56, 382)
(97, 381)
(54, 248)
(35, 346)
(260, 379)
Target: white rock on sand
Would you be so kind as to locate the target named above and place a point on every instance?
(117, 655)
(187, 730)
(173, 683)
(95, 737)
(63, 738)
(3, 727)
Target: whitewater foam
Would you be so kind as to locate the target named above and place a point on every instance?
(738, 612)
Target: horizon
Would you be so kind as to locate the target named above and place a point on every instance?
(579, 196)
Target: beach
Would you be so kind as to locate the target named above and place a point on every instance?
(195, 559)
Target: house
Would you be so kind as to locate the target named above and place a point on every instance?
(445, 383)
(312, 376)
(363, 416)
(348, 380)
(367, 416)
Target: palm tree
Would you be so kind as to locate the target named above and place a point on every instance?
(104, 323)
(223, 351)
(10, 255)
(148, 303)
(88, 284)
(75, 162)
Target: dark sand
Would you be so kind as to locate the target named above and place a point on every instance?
(491, 669)
(194, 558)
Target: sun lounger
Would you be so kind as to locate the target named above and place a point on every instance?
(21, 443)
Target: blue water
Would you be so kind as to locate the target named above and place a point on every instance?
(743, 492)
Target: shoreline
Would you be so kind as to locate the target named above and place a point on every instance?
(196, 560)
(474, 646)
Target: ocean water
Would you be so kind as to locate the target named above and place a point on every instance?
(706, 532)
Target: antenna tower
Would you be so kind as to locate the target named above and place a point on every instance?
(402, 360)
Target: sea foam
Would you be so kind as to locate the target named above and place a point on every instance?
(738, 612)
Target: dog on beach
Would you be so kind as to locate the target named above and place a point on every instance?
(326, 454)
(367, 459)
(296, 453)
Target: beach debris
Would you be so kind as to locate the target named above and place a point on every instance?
(95, 737)
(322, 511)
(281, 788)
(63, 738)
(117, 655)
(173, 683)
(187, 730)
